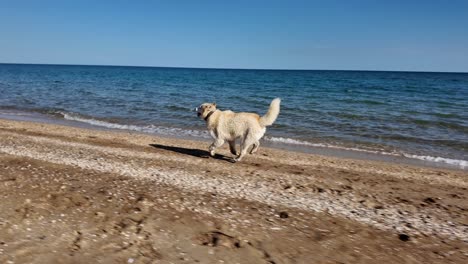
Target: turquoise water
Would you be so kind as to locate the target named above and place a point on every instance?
(418, 115)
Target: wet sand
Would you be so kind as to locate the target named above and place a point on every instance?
(74, 195)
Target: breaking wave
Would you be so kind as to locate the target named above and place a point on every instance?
(169, 131)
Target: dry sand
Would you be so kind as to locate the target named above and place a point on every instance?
(72, 195)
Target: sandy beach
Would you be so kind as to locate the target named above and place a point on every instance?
(75, 195)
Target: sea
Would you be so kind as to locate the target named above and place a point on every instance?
(415, 116)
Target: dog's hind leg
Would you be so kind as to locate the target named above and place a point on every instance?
(255, 147)
(232, 147)
(245, 145)
(216, 144)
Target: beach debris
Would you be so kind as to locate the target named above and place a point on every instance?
(403, 237)
(283, 215)
(429, 200)
(217, 238)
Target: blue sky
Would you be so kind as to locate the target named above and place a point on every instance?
(350, 35)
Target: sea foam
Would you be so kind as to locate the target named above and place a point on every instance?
(455, 162)
(168, 131)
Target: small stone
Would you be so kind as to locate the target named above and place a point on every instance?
(429, 200)
(283, 215)
(403, 237)
(130, 260)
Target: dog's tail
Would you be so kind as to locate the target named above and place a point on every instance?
(272, 114)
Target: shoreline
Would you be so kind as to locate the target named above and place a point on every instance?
(330, 151)
(116, 196)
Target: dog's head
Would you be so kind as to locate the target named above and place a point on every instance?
(205, 109)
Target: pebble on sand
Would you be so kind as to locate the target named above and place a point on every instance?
(403, 237)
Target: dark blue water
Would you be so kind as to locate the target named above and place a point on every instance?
(419, 115)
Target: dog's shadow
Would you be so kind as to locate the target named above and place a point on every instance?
(192, 152)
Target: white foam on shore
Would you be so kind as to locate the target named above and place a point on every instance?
(324, 145)
(460, 163)
(171, 131)
(454, 162)
(295, 142)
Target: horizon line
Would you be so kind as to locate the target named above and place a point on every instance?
(222, 68)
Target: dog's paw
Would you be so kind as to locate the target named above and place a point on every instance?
(235, 153)
(212, 153)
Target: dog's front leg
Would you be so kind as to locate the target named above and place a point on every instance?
(216, 144)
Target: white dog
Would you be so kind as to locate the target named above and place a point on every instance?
(229, 126)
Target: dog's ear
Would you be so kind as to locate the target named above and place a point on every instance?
(214, 104)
